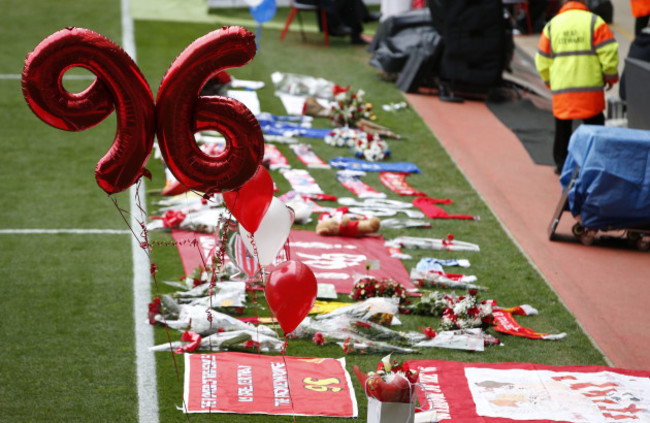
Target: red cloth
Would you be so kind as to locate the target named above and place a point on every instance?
(428, 207)
(505, 323)
(349, 228)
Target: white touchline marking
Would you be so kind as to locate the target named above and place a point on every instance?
(145, 360)
(66, 231)
(80, 77)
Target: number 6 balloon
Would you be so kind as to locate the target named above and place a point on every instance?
(181, 112)
(119, 84)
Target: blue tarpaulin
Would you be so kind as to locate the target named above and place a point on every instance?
(612, 188)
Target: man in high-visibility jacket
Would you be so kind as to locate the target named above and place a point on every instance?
(641, 11)
(577, 56)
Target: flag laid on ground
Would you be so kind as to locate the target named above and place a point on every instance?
(333, 259)
(340, 260)
(516, 392)
(234, 382)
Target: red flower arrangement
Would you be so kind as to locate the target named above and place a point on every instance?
(155, 308)
(392, 382)
(349, 107)
(318, 339)
(368, 287)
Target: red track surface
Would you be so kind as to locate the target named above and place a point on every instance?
(606, 288)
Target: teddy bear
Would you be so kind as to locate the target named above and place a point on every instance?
(345, 225)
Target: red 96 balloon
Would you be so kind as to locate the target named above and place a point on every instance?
(119, 84)
(181, 112)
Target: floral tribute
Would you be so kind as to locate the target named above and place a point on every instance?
(457, 312)
(371, 148)
(368, 287)
(392, 382)
(349, 107)
(366, 146)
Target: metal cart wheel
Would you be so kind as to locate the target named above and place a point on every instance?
(587, 237)
(577, 230)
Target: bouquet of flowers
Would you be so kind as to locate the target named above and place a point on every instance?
(369, 287)
(366, 146)
(457, 312)
(378, 310)
(434, 303)
(355, 336)
(467, 312)
(344, 136)
(349, 107)
(371, 147)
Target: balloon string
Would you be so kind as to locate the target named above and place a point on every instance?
(257, 314)
(147, 248)
(283, 351)
(220, 254)
(251, 238)
(286, 366)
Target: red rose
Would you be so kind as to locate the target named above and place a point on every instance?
(318, 338)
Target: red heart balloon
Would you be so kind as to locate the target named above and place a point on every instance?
(250, 202)
(290, 293)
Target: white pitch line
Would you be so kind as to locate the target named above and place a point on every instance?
(144, 339)
(66, 231)
(81, 77)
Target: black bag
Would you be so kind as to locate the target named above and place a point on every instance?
(477, 44)
(421, 64)
(397, 37)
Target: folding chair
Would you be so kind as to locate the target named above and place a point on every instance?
(296, 8)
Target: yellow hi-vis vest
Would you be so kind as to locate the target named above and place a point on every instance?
(576, 54)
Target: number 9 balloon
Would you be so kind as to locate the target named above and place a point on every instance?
(181, 112)
(119, 84)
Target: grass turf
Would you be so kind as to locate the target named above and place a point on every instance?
(66, 320)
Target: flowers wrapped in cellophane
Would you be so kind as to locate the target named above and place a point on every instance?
(457, 312)
(345, 332)
(200, 319)
(192, 341)
(379, 310)
(369, 287)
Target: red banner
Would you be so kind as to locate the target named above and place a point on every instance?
(339, 260)
(333, 259)
(256, 384)
(516, 392)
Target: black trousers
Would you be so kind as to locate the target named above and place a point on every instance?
(640, 23)
(563, 131)
(342, 12)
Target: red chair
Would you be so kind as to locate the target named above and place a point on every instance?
(296, 8)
